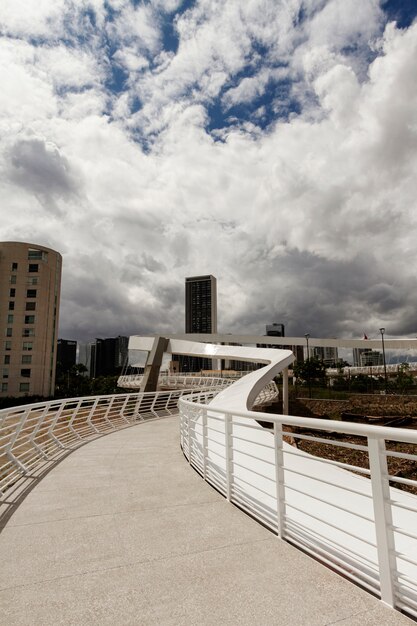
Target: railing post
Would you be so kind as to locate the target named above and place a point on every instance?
(54, 423)
(72, 418)
(107, 412)
(91, 415)
(229, 454)
(35, 432)
(204, 424)
(189, 437)
(279, 479)
(383, 518)
(285, 391)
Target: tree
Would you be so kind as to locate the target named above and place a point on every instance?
(312, 371)
(404, 379)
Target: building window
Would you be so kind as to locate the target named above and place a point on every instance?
(4, 386)
(9, 332)
(30, 293)
(24, 386)
(14, 267)
(34, 254)
(25, 373)
(11, 305)
(27, 345)
(26, 358)
(6, 372)
(12, 293)
(7, 359)
(32, 280)
(7, 345)
(29, 319)
(33, 267)
(30, 306)
(13, 279)
(27, 332)
(10, 319)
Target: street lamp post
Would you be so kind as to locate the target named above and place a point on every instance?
(382, 331)
(307, 336)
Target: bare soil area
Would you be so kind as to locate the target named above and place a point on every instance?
(378, 410)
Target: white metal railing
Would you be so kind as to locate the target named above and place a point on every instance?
(355, 519)
(38, 432)
(174, 381)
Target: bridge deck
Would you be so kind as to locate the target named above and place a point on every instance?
(122, 532)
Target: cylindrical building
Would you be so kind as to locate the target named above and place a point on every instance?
(30, 286)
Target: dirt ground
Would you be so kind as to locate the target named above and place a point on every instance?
(378, 410)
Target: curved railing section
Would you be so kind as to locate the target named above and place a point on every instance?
(175, 381)
(33, 434)
(356, 517)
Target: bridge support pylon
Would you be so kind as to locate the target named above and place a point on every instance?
(153, 364)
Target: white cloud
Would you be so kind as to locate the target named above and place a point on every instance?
(310, 223)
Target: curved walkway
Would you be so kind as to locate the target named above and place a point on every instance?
(124, 532)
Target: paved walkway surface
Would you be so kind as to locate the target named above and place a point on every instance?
(124, 532)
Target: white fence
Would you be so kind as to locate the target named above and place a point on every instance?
(174, 381)
(347, 516)
(39, 432)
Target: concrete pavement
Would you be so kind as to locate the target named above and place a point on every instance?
(124, 532)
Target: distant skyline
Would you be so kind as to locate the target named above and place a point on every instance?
(271, 143)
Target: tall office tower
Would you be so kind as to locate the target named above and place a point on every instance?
(200, 316)
(108, 356)
(201, 304)
(66, 356)
(30, 286)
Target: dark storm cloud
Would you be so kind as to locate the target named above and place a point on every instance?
(42, 170)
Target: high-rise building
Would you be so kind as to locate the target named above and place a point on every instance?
(108, 356)
(66, 356)
(201, 304)
(30, 286)
(200, 316)
(329, 356)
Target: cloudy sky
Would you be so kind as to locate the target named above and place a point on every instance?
(272, 143)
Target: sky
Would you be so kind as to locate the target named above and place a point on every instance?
(271, 143)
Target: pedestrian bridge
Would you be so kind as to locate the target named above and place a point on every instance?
(138, 527)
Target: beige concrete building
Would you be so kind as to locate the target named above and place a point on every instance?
(30, 285)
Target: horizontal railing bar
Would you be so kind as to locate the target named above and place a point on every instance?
(371, 565)
(344, 466)
(402, 455)
(252, 456)
(399, 505)
(327, 523)
(403, 481)
(254, 443)
(372, 586)
(332, 442)
(336, 506)
(252, 471)
(328, 482)
(403, 532)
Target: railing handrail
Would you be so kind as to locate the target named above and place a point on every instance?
(349, 428)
